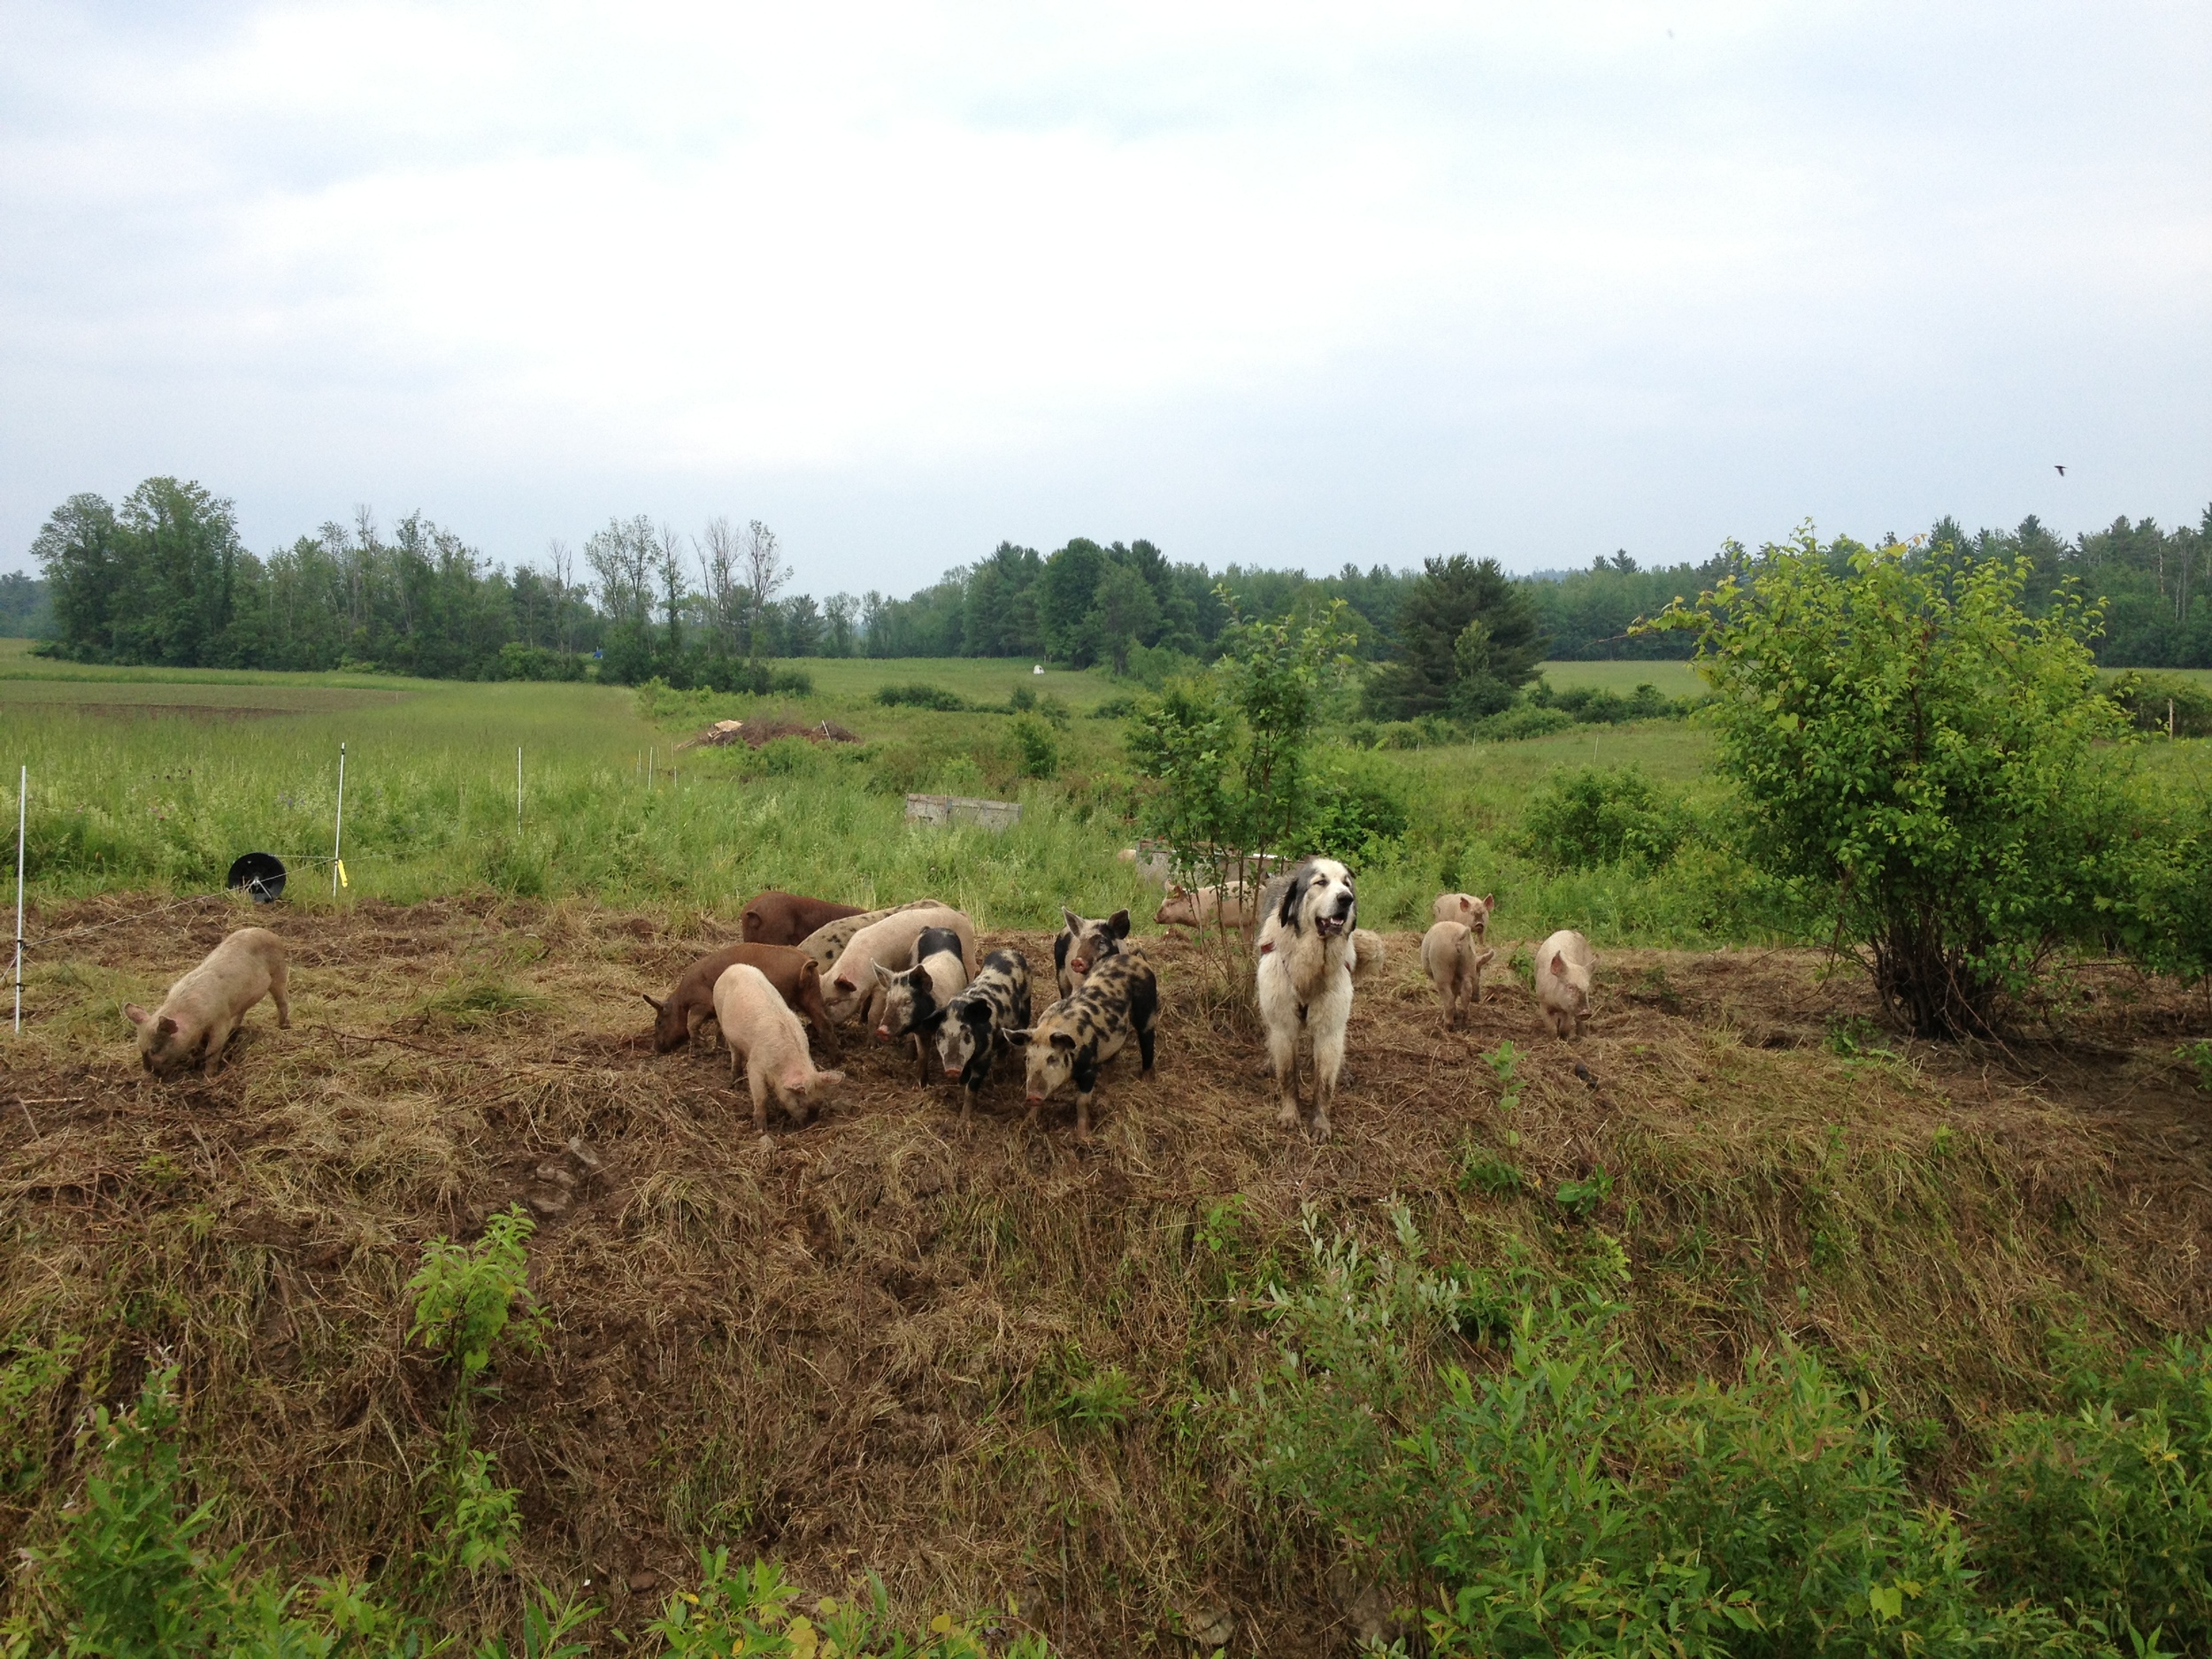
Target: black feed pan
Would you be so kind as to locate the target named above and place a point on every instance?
(261, 874)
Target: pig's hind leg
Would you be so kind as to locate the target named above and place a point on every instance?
(279, 986)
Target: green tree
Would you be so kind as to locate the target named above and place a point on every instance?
(1467, 638)
(1914, 758)
(1230, 755)
(1123, 614)
(77, 550)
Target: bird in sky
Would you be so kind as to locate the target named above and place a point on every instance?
(2062, 471)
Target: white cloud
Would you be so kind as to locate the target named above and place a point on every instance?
(1288, 282)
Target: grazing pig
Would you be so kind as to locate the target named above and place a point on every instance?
(890, 942)
(1082, 945)
(797, 980)
(196, 1021)
(828, 943)
(784, 918)
(911, 1002)
(1119, 998)
(1367, 954)
(1222, 907)
(1454, 967)
(1564, 965)
(766, 1036)
(1465, 909)
(976, 1023)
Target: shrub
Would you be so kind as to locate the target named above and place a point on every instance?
(1915, 753)
(752, 1613)
(517, 661)
(28, 1384)
(918, 695)
(1523, 721)
(1590, 817)
(2163, 702)
(1547, 1503)
(1037, 750)
(466, 1296)
(1355, 813)
(2109, 1512)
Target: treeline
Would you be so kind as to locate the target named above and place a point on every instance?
(2154, 584)
(162, 577)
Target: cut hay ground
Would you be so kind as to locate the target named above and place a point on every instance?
(854, 1349)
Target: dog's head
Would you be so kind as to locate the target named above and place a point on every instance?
(1319, 895)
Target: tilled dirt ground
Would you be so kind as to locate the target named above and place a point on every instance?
(843, 1346)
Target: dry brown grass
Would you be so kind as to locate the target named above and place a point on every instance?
(845, 1348)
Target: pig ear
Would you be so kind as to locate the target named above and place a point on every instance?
(136, 1015)
(1489, 901)
(1019, 1039)
(166, 1026)
(654, 1003)
(843, 983)
(1075, 921)
(1485, 957)
(1062, 1040)
(1559, 967)
(1118, 924)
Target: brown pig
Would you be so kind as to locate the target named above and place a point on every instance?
(792, 972)
(784, 918)
(196, 1021)
(766, 1036)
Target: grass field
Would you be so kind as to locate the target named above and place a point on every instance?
(157, 780)
(142, 780)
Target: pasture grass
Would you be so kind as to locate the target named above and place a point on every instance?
(157, 784)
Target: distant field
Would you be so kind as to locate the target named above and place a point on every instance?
(1677, 680)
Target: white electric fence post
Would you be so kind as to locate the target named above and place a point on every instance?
(338, 823)
(22, 798)
(517, 790)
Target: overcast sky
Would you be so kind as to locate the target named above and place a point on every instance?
(1276, 283)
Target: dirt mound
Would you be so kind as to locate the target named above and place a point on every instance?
(856, 1346)
(753, 733)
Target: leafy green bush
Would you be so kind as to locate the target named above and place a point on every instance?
(1547, 1503)
(28, 1382)
(2163, 702)
(1039, 750)
(2109, 1512)
(1918, 758)
(466, 1296)
(1522, 720)
(1590, 817)
(1352, 812)
(919, 696)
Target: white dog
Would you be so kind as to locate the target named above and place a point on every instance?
(1307, 956)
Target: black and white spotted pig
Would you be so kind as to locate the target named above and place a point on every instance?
(1118, 999)
(976, 1021)
(913, 1000)
(1082, 945)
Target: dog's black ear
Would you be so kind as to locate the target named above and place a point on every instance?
(1292, 914)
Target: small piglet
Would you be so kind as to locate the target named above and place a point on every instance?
(890, 944)
(196, 1020)
(1564, 965)
(913, 1001)
(1465, 909)
(766, 1036)
(1454, 967)
(975, 1025)
(1083, 944)
(1208, 907)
